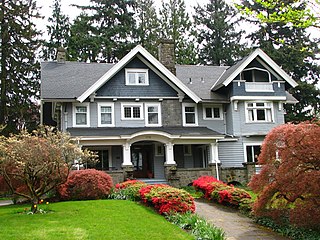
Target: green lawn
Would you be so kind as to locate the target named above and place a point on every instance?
(100, 219)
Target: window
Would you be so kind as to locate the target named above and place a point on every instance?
(153, 114)
(212, 112)
(259, 112)
(252, 153)
(190, 115)
(159, 151)
(131, 111)
(255, 75)
(137, 76)
(105, 114)
(187, 150)
(81, 115)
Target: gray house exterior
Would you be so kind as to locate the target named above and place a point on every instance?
(152, 119)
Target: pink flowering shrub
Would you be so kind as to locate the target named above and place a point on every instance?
(167, 199)
(86, 184)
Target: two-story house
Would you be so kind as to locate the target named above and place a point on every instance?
(150, 118)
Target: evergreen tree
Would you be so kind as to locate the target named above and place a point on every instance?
(219, 42)
(177, 26)
(58, 31)
(110, 29)
(293, 49)
(19, 72)
(148, 29)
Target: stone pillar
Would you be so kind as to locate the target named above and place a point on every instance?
(127, 165)
(250, 169)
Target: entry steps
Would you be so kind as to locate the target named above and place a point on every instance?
(153, 181)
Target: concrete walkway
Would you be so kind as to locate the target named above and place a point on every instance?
(5, 202)
(236, 226)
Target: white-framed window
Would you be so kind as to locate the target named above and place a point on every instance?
(212, 112)
(252, 152)
(137, 76)
(159, 149)
(187, 150)
(131, 111)
(81, 115)
(106, 115)
(259, 112)
(189, 114)
(153, 114)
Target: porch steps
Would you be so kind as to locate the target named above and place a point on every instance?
(153, 181)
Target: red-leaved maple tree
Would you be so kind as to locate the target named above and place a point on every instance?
(289, 182)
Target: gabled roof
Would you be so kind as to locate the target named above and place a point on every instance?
(118, 66)
(232, 72)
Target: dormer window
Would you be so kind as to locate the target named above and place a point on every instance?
(137, 77)
(255, 75)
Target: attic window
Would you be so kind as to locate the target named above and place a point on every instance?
(138, 77)
(255, 75)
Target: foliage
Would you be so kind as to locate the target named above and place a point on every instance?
(86, 184)
(128, 190)
(177, 26)
(218, 39)
(193, 192)
(19, 69)
(34, 164)
(222, 193)
(198, 227)
(108, 31)
(104, 219)
(166, 199)
(289, 182)
(58, 31)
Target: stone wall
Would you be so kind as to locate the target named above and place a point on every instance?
(173, 111)
(117, 176)
(184, 176)
(236, 174)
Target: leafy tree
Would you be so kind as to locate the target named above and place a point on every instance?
(110, 29)
(292, 48)
(219, 42)
(148, 26)
(289, 182)
(58, 31)
(177, 26)
(34, 164)
(19, 70)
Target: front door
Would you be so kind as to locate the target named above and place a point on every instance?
(141, 160)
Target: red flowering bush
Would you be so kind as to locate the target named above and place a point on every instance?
(128, 190)
(128, 183)
(167, 199)
(86, 184)
(221, 192)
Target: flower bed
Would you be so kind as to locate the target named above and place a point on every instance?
(220, 192)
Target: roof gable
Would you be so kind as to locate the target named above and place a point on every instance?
(232, 72)
(122, 63)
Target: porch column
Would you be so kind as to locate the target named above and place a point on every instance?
(214, 158)
(169, 154)
(126, 149)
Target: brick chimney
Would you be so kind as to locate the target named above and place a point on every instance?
(61, 55)
(166, 54)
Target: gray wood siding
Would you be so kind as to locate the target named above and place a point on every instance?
(229, 118)
(240, 90)
(216, 125)
(159, 167)
(231, 154)
(116, 85)
(117, 158)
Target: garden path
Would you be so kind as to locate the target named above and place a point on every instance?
(235, 225)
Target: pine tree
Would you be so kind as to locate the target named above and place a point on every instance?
(58, 31)
(293, 49)
(110, 29)
(219, 42)
(177, 26)
(148, 29)
(19, 74)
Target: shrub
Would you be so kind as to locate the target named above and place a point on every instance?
(128, 190)
(167, 199)
(127, 183)
(86, 184)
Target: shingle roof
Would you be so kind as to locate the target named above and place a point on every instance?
(118, 131)
(70, 79)
(200, 79)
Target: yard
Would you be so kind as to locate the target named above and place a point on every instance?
(100, 219)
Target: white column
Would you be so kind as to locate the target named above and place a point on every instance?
(169, 154)
(126, 149)
(214, 156)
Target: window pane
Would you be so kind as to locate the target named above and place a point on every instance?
(189, 109)
(261, 115)
(256, 151)
(81, 109)
(249, 154)
(260, 104)
(106, 109)
(250, 104)
(208, 113)
(250, 115)
(141, 78)
(190, 118)
(153, 118)
(216, 112)
(106, 118)
(136, 112)
(127, 112)
(132, 78)
(153, 109)
(81, 118)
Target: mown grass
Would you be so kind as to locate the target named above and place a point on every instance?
(100, 219)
